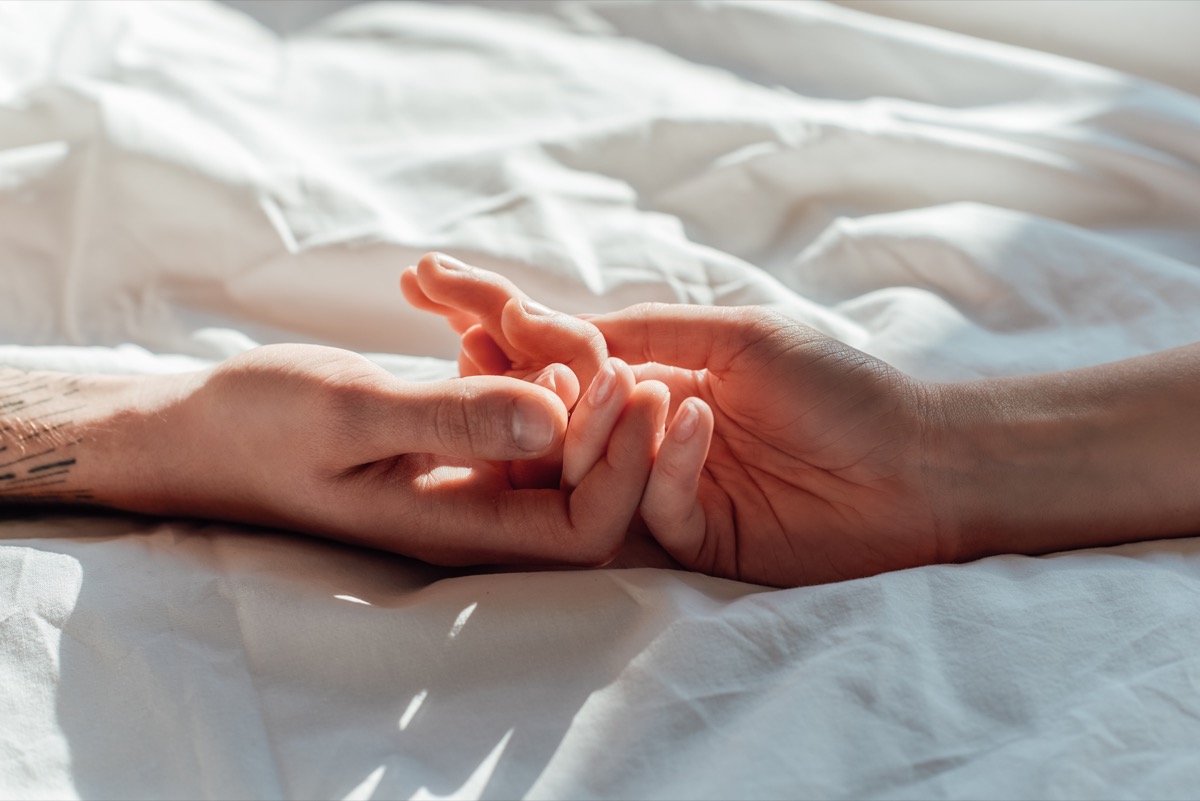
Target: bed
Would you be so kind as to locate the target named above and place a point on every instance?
(179, 183)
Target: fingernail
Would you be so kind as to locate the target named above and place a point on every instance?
(536, 309)
(687, 420)
(547, 380)
(532, 428)
(451, 263)
(602, 385)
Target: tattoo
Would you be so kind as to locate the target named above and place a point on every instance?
(38, 449)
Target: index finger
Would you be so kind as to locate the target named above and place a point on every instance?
(410, 287)
(692, 337)
(529, 334)
(481, 294)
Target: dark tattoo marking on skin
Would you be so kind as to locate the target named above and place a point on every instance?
(35, 403)
(38, 476)
(30, 456)
(52, 465)
(22, 392)
(64, 411)
(39, 486)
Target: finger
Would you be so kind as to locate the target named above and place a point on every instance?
(451, 522)
(471, 291)
(683, 383)
(411, 289)
(484, 352)
(542, 335)
(559, 379)
(480, 417)
(670, 506)
(604, 502)
(467, 366)
(526, 332)
(693, 337)
(591, 424)
(416, 297)
(446, 516)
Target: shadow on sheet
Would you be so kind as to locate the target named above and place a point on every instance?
(192, 651)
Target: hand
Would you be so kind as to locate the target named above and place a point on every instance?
(791, 457)
(504, 331)
(322, 440)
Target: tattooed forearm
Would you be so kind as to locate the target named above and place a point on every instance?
(40, 438)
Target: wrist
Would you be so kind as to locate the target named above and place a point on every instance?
(63, 438)
(1081, 459)
(999, 467)
(142, 445)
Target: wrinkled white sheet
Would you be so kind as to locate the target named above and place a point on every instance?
(177, 184)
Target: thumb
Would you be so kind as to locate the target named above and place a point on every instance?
(481, 417)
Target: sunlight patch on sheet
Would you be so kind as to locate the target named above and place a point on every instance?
(352, 599)
(366, 789)
(414, 706)
(475, 784)
(461, 620)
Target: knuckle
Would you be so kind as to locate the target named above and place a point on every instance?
(762, 323)
(624, 454)
(770, 319)
(350, 409)
(761, 331)
(649, 309)
(594, 342)
(600, 547)
(598, 538)
(659, 506)
(672, 473)
(657, 520)
(453, 422)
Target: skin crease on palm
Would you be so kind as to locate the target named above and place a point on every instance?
(790, 457)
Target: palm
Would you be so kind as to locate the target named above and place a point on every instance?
(804, 481)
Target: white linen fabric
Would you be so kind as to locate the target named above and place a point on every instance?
(178, 184)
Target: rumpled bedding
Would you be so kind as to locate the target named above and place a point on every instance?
(179, 184)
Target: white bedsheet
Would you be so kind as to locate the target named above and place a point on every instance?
(178, 184)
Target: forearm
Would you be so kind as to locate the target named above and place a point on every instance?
(75, 439)
(1084, 458)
